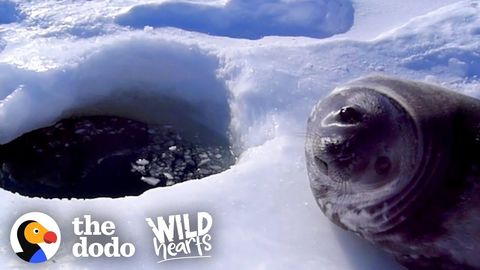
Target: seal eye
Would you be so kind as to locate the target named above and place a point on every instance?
(349, 115)
(322, 165)
(36, 231)
(382, 165)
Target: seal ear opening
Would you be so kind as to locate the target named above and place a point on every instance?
(382, 165)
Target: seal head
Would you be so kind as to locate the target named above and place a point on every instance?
(362, 146)
(396, 162)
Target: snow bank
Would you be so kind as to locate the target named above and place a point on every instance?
(444, 42)
(136, 76)
(373, 17)
(247, 18)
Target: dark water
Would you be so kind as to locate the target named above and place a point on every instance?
(105, 156)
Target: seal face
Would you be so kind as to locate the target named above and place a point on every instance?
(362, 148)
(397, 162)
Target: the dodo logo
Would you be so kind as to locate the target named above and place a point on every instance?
(35, 237)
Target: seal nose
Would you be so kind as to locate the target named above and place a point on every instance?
(336, 137)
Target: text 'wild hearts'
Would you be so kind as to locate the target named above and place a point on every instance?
(181, 237)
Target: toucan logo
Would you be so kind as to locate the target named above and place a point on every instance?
(35, 237)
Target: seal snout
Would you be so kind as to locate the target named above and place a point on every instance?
(334, 151)
(336, 139)
(335, 147)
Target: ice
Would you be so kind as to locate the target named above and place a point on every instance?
(9, 12)
(142, 162)
(247, 18)
(373, 17)
(150, 180)
(65, 57)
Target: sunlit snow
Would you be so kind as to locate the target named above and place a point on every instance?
(60, 57)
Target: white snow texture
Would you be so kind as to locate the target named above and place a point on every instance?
(254, 68)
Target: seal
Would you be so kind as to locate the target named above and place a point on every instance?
(398, 163)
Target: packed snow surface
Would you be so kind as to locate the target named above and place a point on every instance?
(63, 57)
(247, 18)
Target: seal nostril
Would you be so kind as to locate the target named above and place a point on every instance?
(322, 165)
(349, 115)
(382, 165)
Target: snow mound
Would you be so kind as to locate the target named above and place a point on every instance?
(374, 17)
(9, 12)
(465, 63)
(138, 77)
(443, 42)
(247, 18)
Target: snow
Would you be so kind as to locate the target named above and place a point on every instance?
(9, 12)
(66, 57)
(247, 18)
(373, 17)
